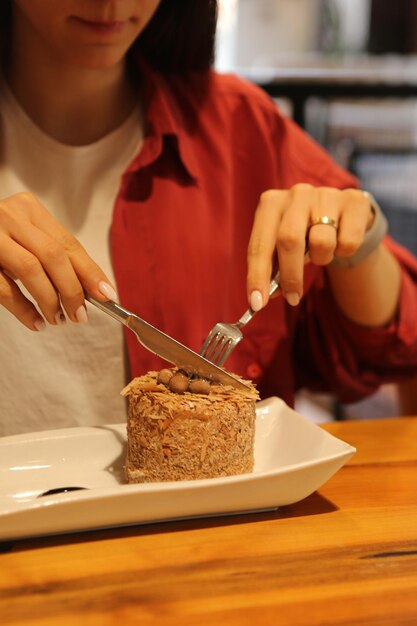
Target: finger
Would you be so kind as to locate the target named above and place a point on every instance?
(291, 241)
(18, 262)
(323, 238)
(14, 301)
(261, 246)
(90, 276)
(354, 221)
(48, 269)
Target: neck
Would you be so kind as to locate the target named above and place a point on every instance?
(74, 105)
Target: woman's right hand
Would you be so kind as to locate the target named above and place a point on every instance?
(49, 261)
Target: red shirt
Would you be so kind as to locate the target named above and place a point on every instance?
(181, 227)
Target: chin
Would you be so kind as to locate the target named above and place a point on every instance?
(98, 59)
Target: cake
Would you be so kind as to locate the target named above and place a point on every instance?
(182, 429)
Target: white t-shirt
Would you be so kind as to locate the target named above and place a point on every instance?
(68, 375)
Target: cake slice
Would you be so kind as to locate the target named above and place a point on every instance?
(184, 435)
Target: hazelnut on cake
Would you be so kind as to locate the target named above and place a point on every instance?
(182, 429)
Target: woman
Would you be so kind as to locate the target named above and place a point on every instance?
(114, 125)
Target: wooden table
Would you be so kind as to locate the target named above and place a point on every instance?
(347, 555)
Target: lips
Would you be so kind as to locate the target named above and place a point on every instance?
(100, 26)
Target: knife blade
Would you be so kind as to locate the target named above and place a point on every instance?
(166, 347)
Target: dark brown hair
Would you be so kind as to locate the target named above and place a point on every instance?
(5, 14)
(179, 38)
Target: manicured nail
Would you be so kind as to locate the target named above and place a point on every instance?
(256, 300)
(40, 324)
(292, 298)
(107, 290)
(81, 315)
(60, 318)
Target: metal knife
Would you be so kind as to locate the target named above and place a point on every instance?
(166, 347)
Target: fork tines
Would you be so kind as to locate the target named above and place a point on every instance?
(217, 347)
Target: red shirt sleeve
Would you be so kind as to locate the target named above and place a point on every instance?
(350, 360)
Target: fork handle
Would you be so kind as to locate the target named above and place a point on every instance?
(274, 284)
(247, 316)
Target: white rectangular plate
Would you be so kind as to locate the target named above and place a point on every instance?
(293, 457)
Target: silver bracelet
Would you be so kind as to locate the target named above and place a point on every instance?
(373, 237)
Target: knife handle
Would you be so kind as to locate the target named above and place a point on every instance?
(115, 311)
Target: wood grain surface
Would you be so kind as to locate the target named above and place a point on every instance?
(346, 555)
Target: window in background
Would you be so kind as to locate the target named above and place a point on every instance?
(343, 26)
(265, 33)
(258, 32)
(226, 34)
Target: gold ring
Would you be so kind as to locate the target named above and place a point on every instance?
(327, 221)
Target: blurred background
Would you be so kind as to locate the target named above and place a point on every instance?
(345, 70)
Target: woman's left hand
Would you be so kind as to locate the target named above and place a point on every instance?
(288, 221)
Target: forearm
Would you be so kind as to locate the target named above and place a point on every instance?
(368, 293)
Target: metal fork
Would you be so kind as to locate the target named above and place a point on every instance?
(223, 338)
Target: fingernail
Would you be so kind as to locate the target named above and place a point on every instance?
(107, 290)
(292, 298)
(81, 315)
(40, 324)
(256, 300)
(60, 318)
